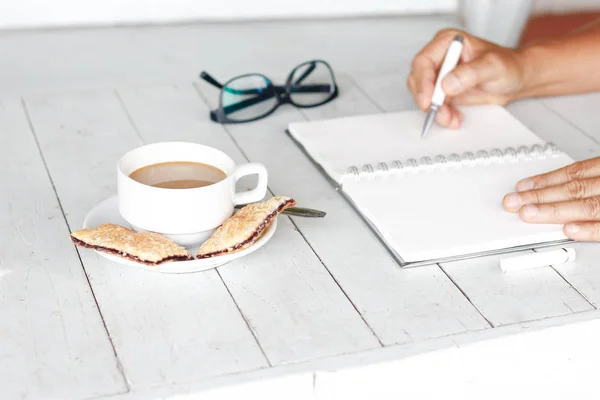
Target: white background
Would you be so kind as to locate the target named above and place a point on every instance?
(16, 13)
(44, 13)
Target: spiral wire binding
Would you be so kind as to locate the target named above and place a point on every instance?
(453, 161)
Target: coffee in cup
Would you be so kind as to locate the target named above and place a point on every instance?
(178, 175)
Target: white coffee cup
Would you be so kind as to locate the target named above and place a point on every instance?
(186, 216)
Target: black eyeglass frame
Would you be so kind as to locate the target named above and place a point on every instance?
(282, 94)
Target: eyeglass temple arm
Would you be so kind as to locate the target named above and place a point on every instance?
(309, 88)
(204, 75)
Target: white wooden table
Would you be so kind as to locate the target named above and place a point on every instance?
(322, 311)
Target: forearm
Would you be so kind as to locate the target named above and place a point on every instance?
(566, 65)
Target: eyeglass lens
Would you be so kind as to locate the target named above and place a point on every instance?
(248, 97)
(311, 84)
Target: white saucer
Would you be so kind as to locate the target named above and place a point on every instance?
(107, 212)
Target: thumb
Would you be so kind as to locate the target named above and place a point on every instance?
(469, 75)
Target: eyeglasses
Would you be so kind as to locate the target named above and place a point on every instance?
(250, 97)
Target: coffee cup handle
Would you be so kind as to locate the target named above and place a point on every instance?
(256, 194)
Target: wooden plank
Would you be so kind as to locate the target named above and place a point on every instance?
(175, 113)
(351, 101)
(108, 58)
(387, 91)
(552, 127)
(579, 110)
(409, 304)
(188, 323)
(515, 297)
(497, 297)
(53, 342)
(584, 273)
(294, 307)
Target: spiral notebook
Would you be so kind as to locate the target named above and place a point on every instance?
(439, 198)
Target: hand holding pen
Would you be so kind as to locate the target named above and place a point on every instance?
(485, 73)
(488, 73)
(437, 100)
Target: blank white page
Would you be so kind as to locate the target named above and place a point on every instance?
(433, 215)
(337, 144)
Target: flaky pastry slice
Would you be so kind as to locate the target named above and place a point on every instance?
(143, 247)
(244, 228)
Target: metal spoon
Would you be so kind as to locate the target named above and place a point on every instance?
(299, 212)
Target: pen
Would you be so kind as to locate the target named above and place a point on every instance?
(450, 61)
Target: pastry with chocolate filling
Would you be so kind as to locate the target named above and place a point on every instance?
(244, 228)
(144, 247)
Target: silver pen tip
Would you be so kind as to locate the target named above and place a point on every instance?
(429, 120)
